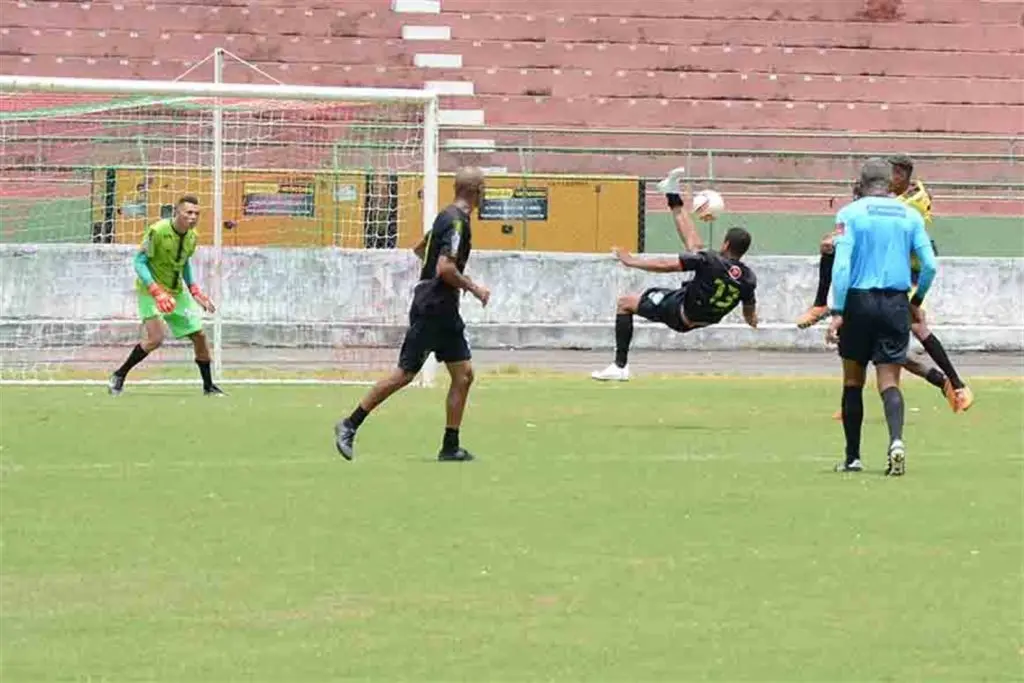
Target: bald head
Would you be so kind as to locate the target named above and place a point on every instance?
(469, 182)
(875, 176)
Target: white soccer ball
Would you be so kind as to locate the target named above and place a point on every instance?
(707, 204)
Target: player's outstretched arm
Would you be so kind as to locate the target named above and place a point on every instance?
(193, 287)
(655, 265)
(684, 224)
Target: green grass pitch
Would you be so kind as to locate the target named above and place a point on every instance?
(671, 529)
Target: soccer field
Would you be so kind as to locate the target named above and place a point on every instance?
(677, 529)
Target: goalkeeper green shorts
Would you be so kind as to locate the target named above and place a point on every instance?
(185, 319)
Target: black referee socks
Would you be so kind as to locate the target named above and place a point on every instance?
(892, 401)
(853, 418)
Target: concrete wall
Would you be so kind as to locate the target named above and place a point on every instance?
(83, 295)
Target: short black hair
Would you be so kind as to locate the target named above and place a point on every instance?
(187, 199)
(739, 241)
(902, 161)
(858, 191)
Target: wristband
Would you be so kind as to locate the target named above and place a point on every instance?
(837, 311)
(917, 299)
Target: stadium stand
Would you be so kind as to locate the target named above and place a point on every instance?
(911, 66)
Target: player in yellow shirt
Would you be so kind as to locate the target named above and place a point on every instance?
(912, 194)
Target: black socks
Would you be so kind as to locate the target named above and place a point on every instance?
(853, 418)
(936, 378)
(357, 417)
(451, 440)
(204, 371)
(623, 338)
(134, 358)
(935, 349)
(824, 279)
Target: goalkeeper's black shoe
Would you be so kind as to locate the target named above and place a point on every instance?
(344, 439)
(457, 455)
(213, 390)
(115, 385)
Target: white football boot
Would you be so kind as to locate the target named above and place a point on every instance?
(612, 373)
(670, 183)
(897, 459)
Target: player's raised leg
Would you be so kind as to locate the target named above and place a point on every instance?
(626, 307)
(958, 394)
(671, 183)
(819, 309)
(671, 187)
(927, 372)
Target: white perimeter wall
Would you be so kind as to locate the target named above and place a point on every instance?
(83, 295)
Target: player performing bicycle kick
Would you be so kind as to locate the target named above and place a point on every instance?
(720, 282)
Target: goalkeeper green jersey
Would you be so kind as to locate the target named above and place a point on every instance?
(167, 254)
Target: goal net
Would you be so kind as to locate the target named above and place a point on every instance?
(309, 198)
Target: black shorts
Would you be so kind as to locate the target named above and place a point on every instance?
(444, 335)
(876, 327)
(662, 305)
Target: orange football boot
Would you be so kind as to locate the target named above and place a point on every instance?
(811, 316)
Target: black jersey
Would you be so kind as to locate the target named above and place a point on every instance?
(719, 284)
(451, 236)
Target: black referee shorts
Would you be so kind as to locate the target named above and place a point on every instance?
(876, 327)
(443, 334)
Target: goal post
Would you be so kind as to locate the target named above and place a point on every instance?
(305, 192)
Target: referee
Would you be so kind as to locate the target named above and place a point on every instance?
(871, 319)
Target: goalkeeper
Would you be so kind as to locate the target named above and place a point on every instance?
(167, 290)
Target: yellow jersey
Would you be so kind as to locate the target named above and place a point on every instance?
(918, 198)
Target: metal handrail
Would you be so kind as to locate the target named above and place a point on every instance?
(697, 133)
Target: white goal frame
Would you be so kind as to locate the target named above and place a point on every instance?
(217, 89)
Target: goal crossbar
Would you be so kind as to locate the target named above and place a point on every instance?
(202, 89)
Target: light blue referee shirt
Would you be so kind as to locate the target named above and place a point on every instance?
(873, 245)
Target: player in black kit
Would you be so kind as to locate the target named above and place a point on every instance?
(435, 324)
(720, 282)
